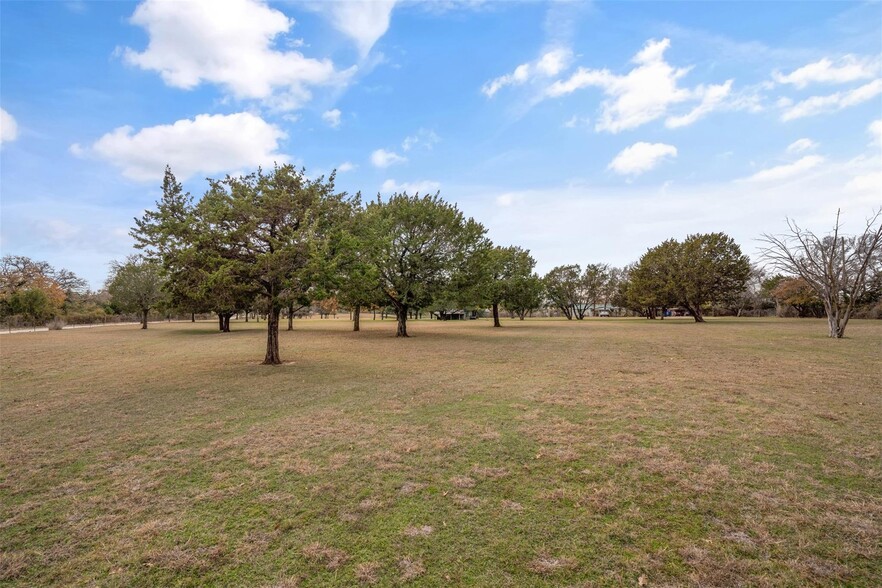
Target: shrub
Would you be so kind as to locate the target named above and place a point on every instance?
(56, 324)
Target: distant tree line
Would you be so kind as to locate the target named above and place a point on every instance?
(33, 292)
(276, 243)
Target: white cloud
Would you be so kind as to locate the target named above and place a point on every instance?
(8, 127)
(645, 93)
(867, 183)
(549, 64)
(332, 117)
(364, 21)
(423, 138)
(801, 145)
(229, 44)
(787, 171)
(418, 187)
(711, 98)
(346, 166)
(875, 130)
(577, 121)
(641, 157)
(848, 68)
(698, 208)
(832, 102)
(508, 199)
(383, 158)
(207, 144)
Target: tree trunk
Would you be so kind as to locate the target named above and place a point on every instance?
(192, 317)
(144, 318)
(291, 317)
(220, 322)
(696, 314)
(247, 312)
(356, 318)
(272, 337)
(227, 318)
(401, 313)
(496, 315)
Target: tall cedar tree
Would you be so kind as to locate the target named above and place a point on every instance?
(417, 243)
(272, 232)
(165, 234)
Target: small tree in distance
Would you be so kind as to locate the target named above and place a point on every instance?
(136, 285)
(524, 295)
(837, 267)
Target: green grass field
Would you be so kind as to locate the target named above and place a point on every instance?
(546, 453)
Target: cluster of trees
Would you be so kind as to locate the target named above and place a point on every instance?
(278, 240)
(34, 291)
(281, 240)
(705, 270)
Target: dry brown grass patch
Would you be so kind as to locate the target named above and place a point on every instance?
(466, 501)
(13, 564)
(329, 557)
(369, 504)
(368, 572)
(410, 568)
(490, 473)
(182, 558)
(409, 488)
(546, 564)
(423, 531)
(463, 482)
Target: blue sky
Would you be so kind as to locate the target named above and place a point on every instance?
(585, 132)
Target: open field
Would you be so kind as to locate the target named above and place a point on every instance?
(546, 453)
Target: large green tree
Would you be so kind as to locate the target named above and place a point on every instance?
(705, 269)
(417, 244)
(709, 269)
(263, 234)
(269, 232)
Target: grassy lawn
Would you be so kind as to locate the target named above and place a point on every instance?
(546, 453)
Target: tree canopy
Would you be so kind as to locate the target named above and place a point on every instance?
(417, 243)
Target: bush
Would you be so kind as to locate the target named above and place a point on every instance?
(56, 324)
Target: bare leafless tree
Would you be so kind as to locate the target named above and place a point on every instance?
(836, 266)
